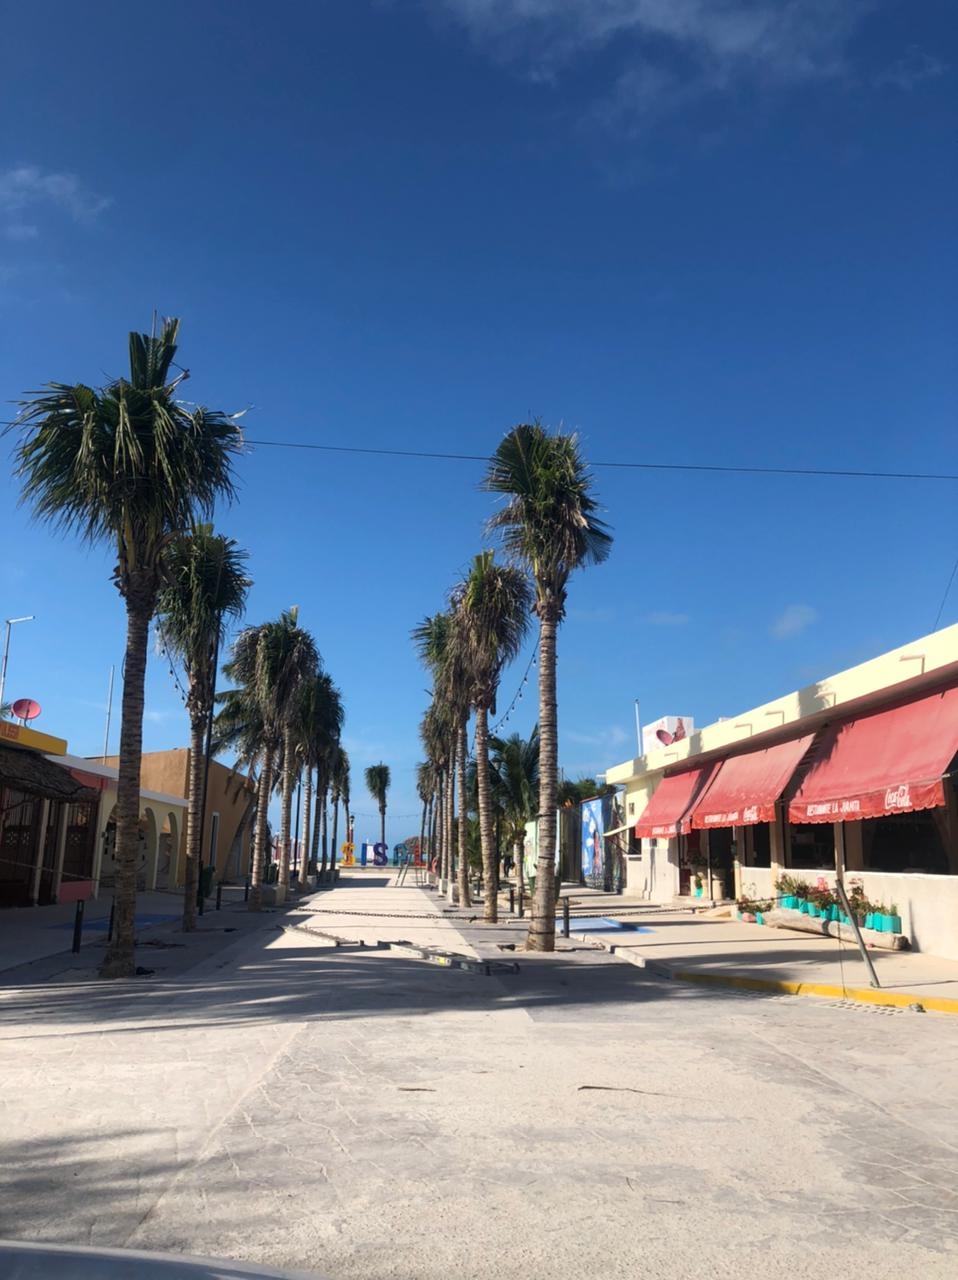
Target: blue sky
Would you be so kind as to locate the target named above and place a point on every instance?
(697, 231)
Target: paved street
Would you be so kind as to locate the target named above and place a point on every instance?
(367, 1115)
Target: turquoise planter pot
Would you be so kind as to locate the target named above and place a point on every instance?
(759, 918)
(834, 914)
(813, 911)
(894, 923)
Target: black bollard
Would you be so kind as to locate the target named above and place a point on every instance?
(565, 917)
(522, 905)
(512, 900)
(219, 897)
(109, 932)
(246, 891)
(78, 928)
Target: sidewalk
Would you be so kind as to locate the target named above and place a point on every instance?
(694, 948)
(384, 913)
(36, 942)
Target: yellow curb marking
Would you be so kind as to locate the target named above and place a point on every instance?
(864, 995)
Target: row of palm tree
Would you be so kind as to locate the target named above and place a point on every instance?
(548, 526)
(132, 466)
(283, 719)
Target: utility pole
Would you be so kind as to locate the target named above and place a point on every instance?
(10, 622)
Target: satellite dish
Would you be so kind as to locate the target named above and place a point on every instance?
(664, 737)
(26, 709)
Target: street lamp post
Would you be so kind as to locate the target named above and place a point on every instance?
(10, 622)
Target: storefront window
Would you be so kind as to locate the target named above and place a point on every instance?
(812, 846)
(907, 842)
(759, 845)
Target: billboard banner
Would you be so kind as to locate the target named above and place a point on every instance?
(664, 731)
(593, 829)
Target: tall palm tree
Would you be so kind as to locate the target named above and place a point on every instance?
(206, 588)
(240, 727)
(435, 642)
(317, 729)
(549, 525)
(377, 784)
(126, 465)
(273, 663)
(492, 607)
(294, 661)
(514, 775)
(339, 793)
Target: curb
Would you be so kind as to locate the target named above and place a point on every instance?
(885, 998)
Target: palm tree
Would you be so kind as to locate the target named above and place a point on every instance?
(514, 777)
(126, 465)
(206, 587)
(317, 729)
(435, 642)
(550, 526)
(339, 792)
(273, 663)
(492, 607)
(240, 727)
(377, 784)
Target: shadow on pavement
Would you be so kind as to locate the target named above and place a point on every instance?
(254, 982)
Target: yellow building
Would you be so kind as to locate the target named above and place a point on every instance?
(851, 776)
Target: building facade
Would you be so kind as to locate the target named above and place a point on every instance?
(853, 776)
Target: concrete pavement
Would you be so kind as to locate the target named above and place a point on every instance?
(698, 947)
(370, 1117)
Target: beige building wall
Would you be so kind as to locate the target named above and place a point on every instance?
(230, 797)
(928, 904)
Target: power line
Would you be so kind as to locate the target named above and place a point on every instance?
(709, 468)
(941, 607)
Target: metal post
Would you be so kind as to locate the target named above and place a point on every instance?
(246, 890)
(109, 716)
(10, 622)
(522, 909)
(219, 896)
(565, 917)
(109, 932)
(512, 900)
(78, 927)
(846, 907)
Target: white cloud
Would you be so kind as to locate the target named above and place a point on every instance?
(28, 187)
(613, 736)
(20, 231)
(794, 619)
(163, 717)
(665, 618)
(911, 70)
(670, 52)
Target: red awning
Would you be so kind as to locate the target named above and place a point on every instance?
(887, 762)
(666, 814)
(746, 787)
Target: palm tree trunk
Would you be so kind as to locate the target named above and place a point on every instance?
(487, 836)
(382, 827)
(332, 843)
(304, 835)
(194, 819)
(286, 808)
(449, 858)
(542, 926)
(120, 958)
(439, 819)
(422, 832)
(315, 852)
(259, 845)
(465, 899)
(324, 818)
